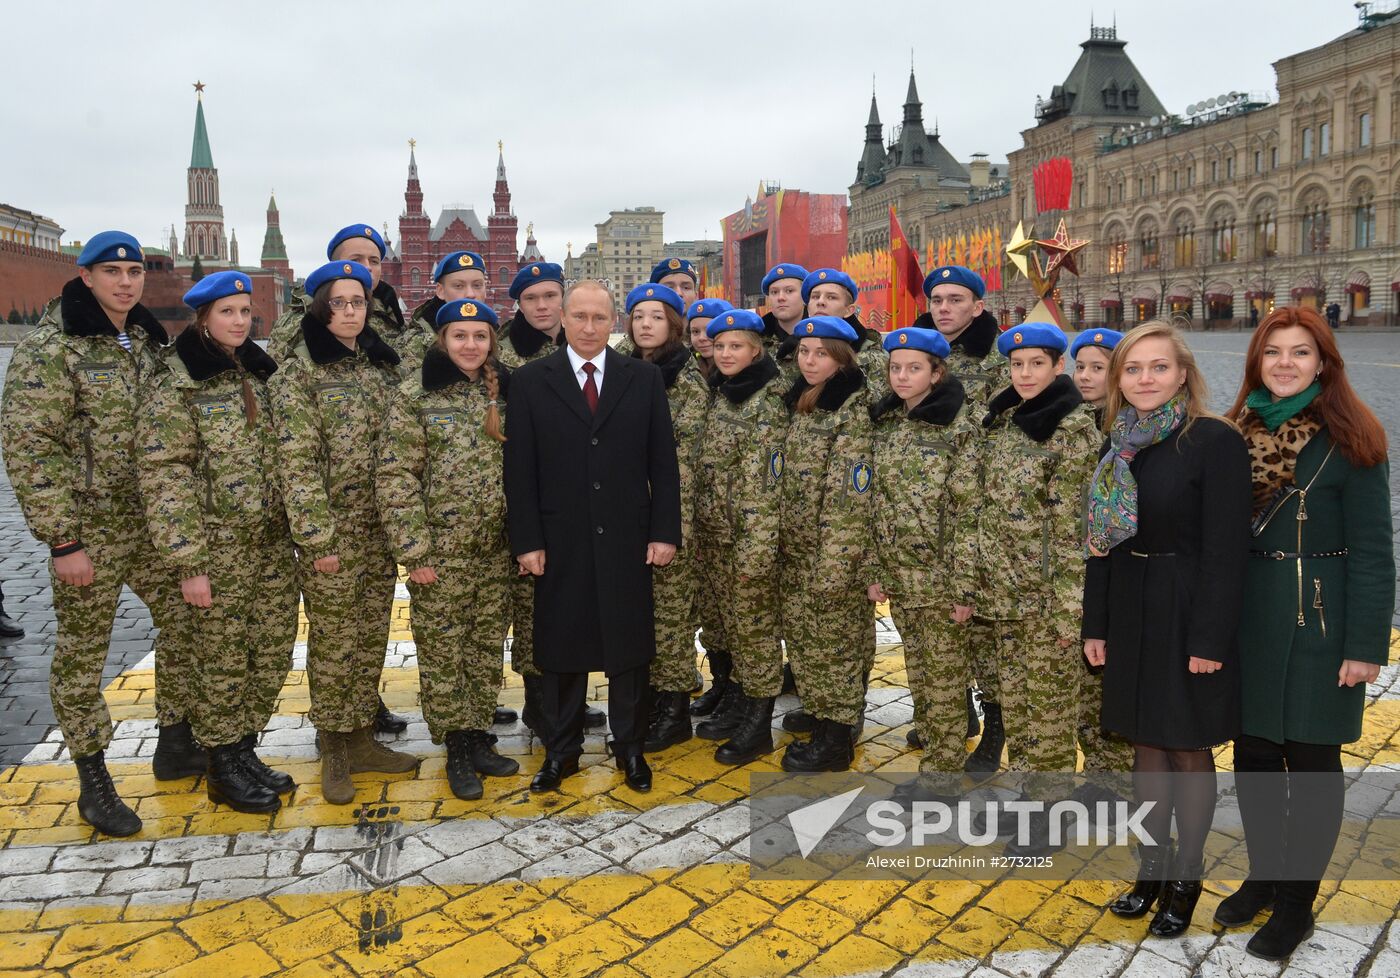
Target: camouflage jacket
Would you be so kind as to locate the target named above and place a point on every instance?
(740, 467)
(328, 405)
(915, 455)
(68, 426)
(828, 473)
(439, 482)
(689, 398)
(521, 342)
(419, 337)
(202, 465)
(384, 318)
(1024, 504)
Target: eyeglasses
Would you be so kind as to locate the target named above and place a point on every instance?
(339, 304)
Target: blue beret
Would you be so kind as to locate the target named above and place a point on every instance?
(355, 231)
(458, 261)
(918, 338)
(331, 271)
(466, 311)
(783, 271)
(110, 246)
(533, 274)
(670, 266)
(217, 285)
(655, 293)
(735, 319)
(829, 276)
(825, 327)
(706, 309)
(1046, 336)
(955, 275)
(1106, 338)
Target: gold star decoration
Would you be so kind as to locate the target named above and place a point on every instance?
(1019, 247)
(1061, 251)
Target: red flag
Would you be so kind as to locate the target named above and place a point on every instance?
(906, 280)
(704, 280)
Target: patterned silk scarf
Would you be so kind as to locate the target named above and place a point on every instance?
(1113, 494)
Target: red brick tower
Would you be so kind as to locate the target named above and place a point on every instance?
(502, 258)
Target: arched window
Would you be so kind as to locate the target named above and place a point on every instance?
(1314, 224)
(1222, 234)
(1184, 240)
(1363, 216)
(415, 277)
(1263, 226)
(1149, 247)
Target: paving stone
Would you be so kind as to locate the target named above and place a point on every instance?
(570, 864)
(683, 852)
(726, 825)
(455, 837)
(290, 840)
(481, 865)
(623, 843)
(103, 855)
(396, 860)
(50, 886)
(235, 889)
(668, 818)
(229, 867)
(190, 850)
(147, 879)
(540, 840)
(20, 860)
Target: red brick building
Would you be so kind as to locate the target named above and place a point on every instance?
(30, 277)
(782, 225)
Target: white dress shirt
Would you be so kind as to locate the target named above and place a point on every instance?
(577, 363)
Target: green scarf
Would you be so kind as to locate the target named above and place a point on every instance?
(1275, 413)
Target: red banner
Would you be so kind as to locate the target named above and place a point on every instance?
(906, 298)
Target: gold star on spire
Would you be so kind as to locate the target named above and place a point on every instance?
(412, 143)
(199, 90)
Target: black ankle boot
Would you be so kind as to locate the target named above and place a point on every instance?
(721, 668)
(1246, 903)
(753, 737)
(974, 723)
(461, 775)
(986, 758)
(670, 724)
(1178, 902)
(481, 748)
(726, 718)
(230, 782)
(799, 721)
(1151, 878)
(829, 750)
(1290, 925)
(386, 722)
(98, 802)
(279, 782)
(177, 755)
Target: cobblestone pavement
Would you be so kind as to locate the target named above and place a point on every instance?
(595, 880)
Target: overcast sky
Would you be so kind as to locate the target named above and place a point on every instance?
(601, 105)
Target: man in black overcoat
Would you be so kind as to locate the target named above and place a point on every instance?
(593, 502)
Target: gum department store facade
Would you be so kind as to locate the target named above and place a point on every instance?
(1230, 208)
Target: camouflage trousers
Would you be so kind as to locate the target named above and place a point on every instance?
(459, 626)
(750, 604)
(983, 654)
(121, 553)
(674, 599)
(827, 633)
(936, 661)
(1104, 752)
(522, 623)
(244, 641)
(708, 613)
(1040, 692)
(348, 613)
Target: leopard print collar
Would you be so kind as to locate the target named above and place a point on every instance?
(1273, 455)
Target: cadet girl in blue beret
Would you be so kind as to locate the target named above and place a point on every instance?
(831, 292)
(680, 275)
(1092, 350)
(698, 317)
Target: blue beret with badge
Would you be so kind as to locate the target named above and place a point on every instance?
(955, 275)
(331, 271)
(825, 327)
(778, 272)
(673, 266)
(355, 231)
(1105, 338)
(1045, 336)
(466, 311)
(535, 273)
(706, 309)
(928, 341)
(745, 319)
(218, 285)
(825, 276)
(458, 261)
(650, 292)
(110, 246)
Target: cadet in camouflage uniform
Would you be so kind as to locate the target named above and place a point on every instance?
(737, 516)
(826, 541)
(678, 275)
(214, 509)
(656, 329)
(831, 292)
(69, 437)
(921, 429)
(441, 496)
(956, 310)
(329, 401)
(1025, 534)
(457, 275)
(782, 284)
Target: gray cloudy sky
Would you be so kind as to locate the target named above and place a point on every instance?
(601, 105)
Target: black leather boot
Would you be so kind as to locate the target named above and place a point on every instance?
(1151, 879)
(974, 722)
(670, 724)
(913, 739)
(481, 748)
(279, 782)
(1178, 902)
(386, 722)
(177, 755)
(986, 758)
(1037, 838)
(1290, 925)
(98, 802)
(726, 717)
(503, 715)
(1246, 903)
(9, 628)
(829, 750)
(593, 718)
(753, 737)
(721, 668)
(230, 782)
(461, 774)
(799, 721)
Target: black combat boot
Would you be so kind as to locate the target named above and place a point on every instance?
(986, 758)
(386, 722)
(726, 718)
(279, 782)
(829, 750)
(670, 723)
(177, 754)
(753, 737)
(230, 782)
(799, 721)
(461, 775)
(98, 801)
(1290, 924)
(721, 668)
(503, 715)
(1151, 881)
(481, 747)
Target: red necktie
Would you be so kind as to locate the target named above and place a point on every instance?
(590, 389)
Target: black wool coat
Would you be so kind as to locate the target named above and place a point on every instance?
(591, 490)
(1184, 598)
